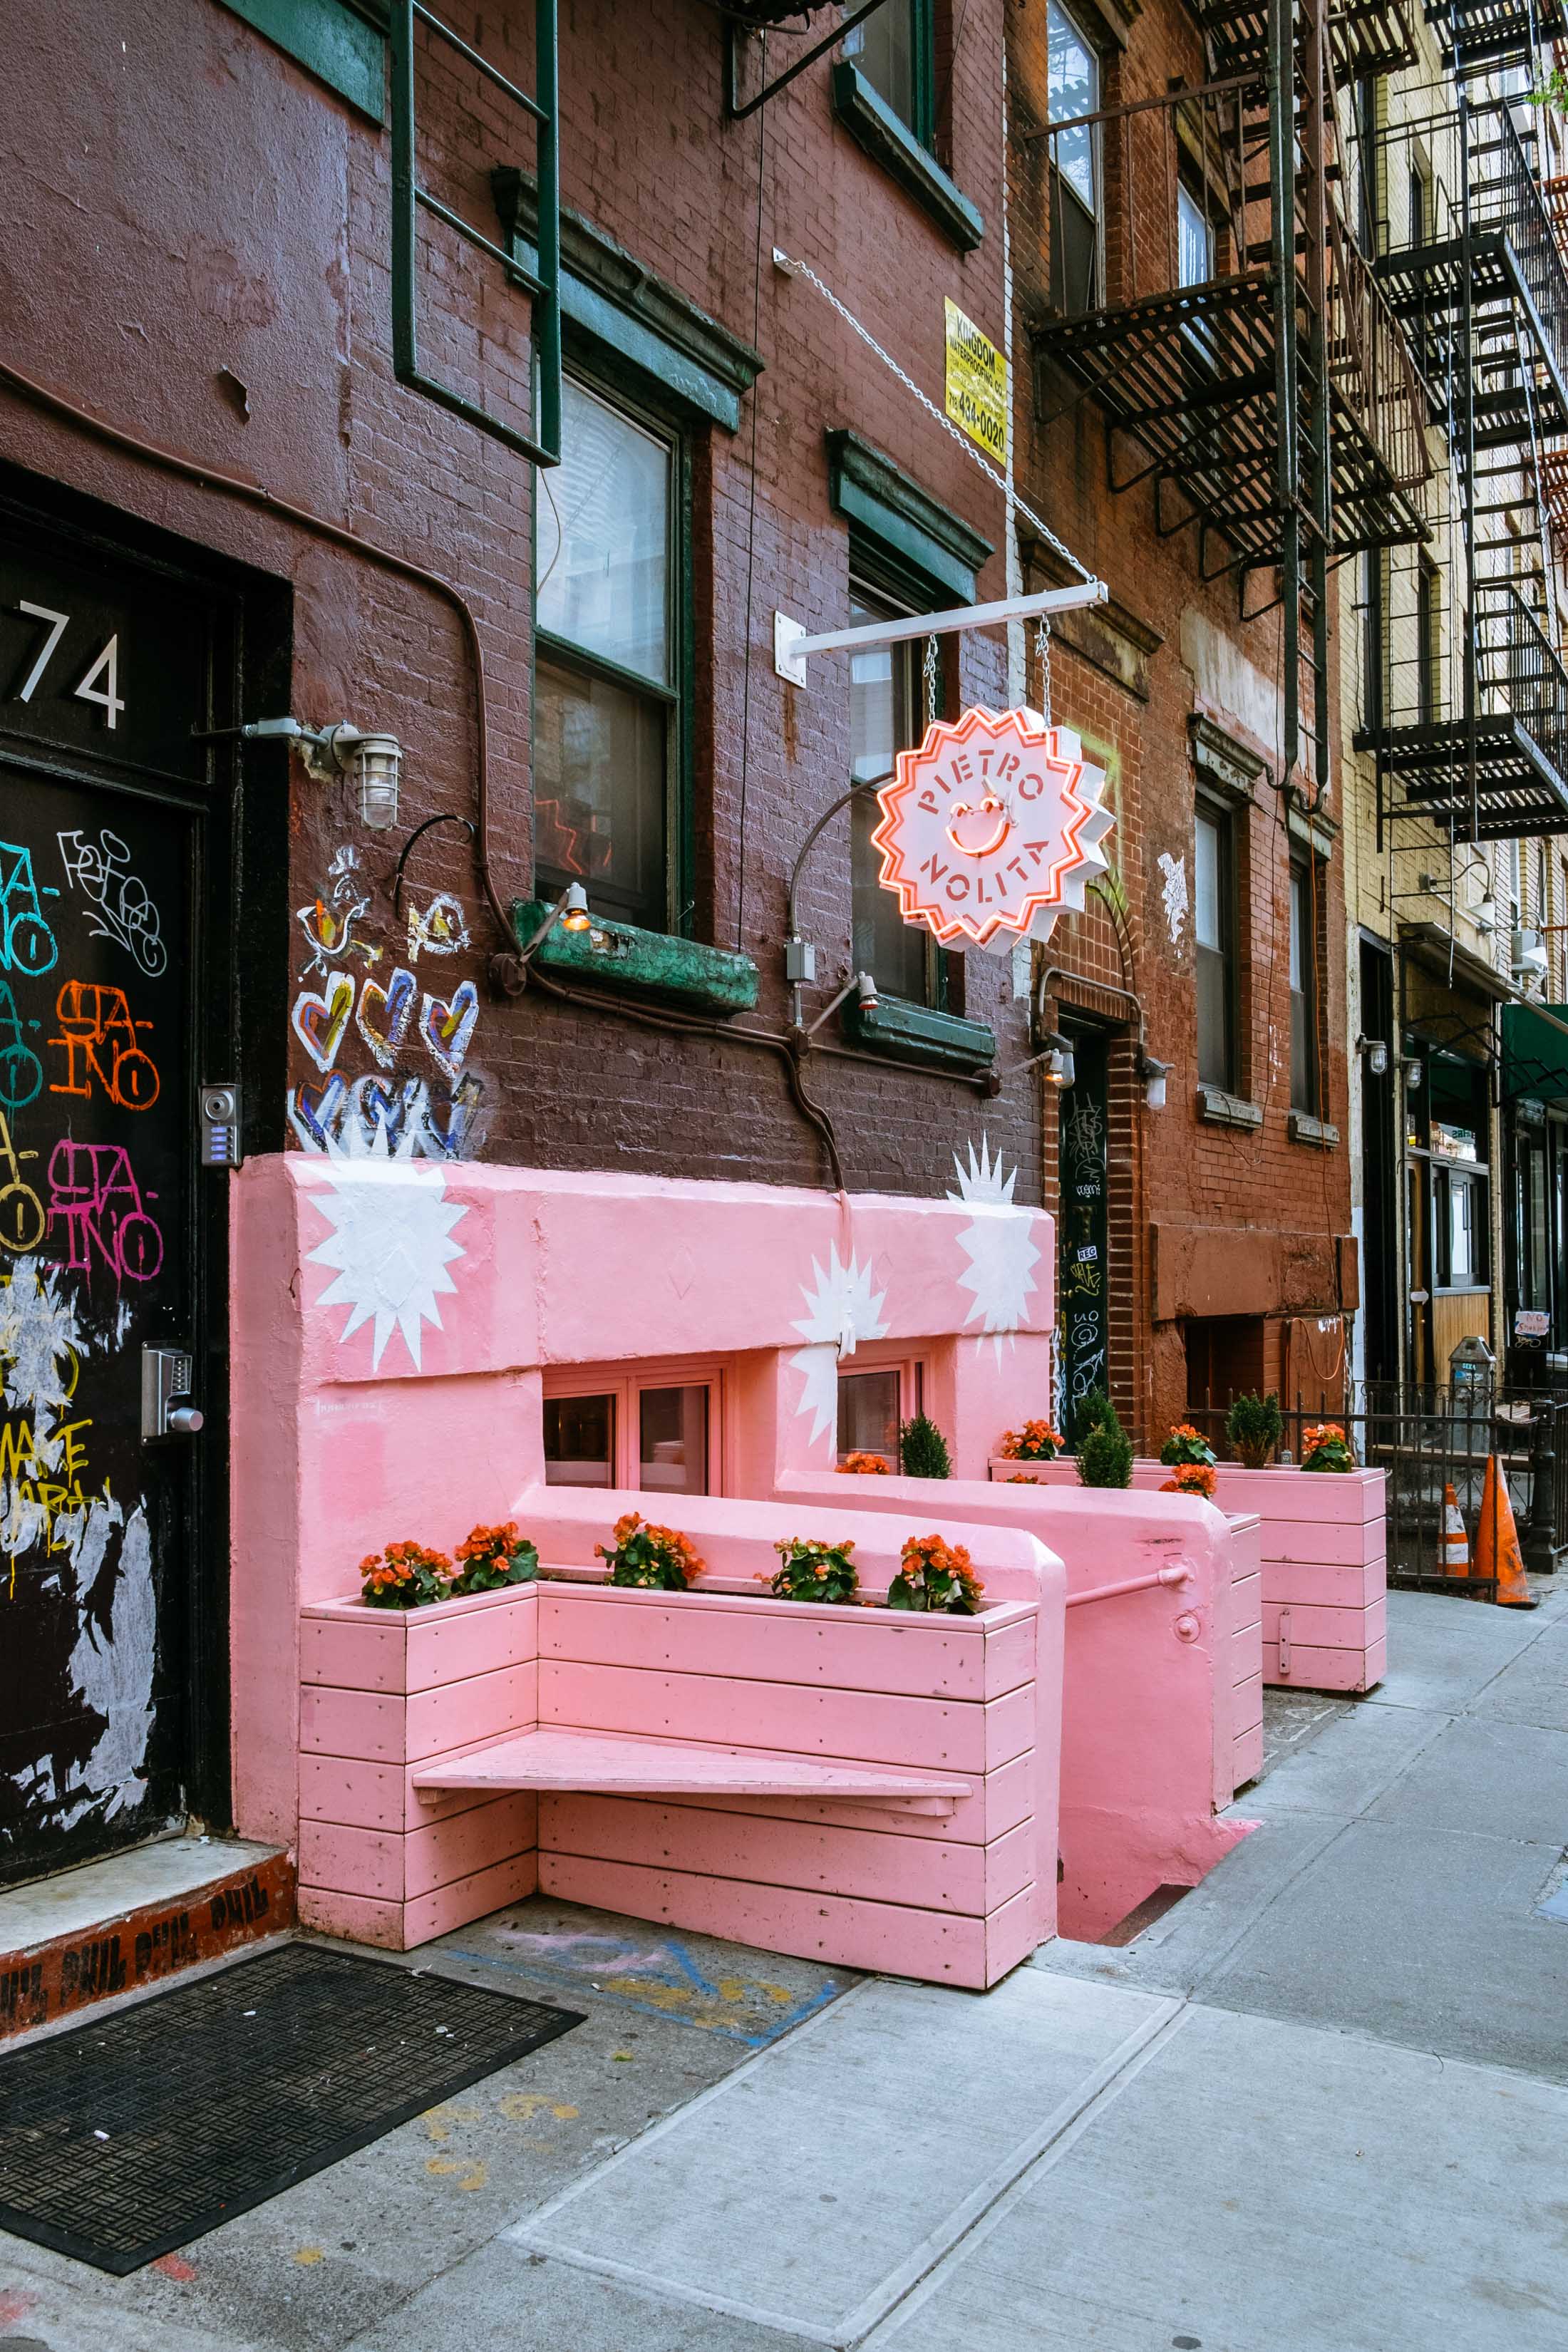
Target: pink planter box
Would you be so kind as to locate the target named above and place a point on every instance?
(949, 1885)
(1323, 1559)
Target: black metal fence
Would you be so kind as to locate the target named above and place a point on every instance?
(1429, 1440)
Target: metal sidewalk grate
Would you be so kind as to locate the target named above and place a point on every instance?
(130, 2136)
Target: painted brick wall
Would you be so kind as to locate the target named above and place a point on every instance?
(221, 222)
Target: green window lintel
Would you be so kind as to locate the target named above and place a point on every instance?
(904, 524)
(917, 1033)
(613, 304)
(889, 141)
(331, 39)
(641, 964)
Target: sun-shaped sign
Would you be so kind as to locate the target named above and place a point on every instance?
(991, 828)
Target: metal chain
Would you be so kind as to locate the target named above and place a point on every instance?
(932, 681)
(803, 270)
(1043, 655)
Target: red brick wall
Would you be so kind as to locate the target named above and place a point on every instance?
(1170, 1169)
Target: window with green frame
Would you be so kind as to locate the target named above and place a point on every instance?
(886, 716)
(895, 50)
(612, 558)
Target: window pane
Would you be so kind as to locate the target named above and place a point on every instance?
(884, 50)
(1194, 241)
(603, 537)
(884, 718)
(580, 1441)
(1074, 89)
(869, 1415)
(1214, 1021)
(1298, 919)
(672, 1440)
(599, 793)
(1207, 912)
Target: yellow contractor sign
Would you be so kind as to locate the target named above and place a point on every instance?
(976, 385)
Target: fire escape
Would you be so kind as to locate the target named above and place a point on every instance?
(1244, 358)
(1468, 712)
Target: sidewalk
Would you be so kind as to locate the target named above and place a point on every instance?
(1321, 2105)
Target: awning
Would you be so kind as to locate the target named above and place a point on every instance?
(1535, 1053)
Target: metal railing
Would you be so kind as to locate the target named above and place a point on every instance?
(1429, 1440)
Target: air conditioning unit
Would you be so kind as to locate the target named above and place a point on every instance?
(1529, 955)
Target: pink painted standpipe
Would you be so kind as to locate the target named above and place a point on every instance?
(1133, 1584)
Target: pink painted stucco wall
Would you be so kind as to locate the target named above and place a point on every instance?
(391, 1322)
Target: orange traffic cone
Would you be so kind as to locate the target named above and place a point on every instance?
(1455, 1542)
(1497, 1543)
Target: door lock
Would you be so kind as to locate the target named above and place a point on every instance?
(218, 1107)
(166, 1407)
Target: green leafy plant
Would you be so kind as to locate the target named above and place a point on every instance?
(936, 1576)
(1254, 1426)
(1105, 1451)
(653, 1558)
(1037, 1440)
(494, 1558)
(1186, 1444)
(923, 1450)
(814, 1571)
(1089, 1413)
(1326, 1447)
(405, 1576)
(1553, 92)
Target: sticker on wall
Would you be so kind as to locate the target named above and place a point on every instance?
(842, 1309)
(1000, 1246)
(1174, 894)
(391, 1243)
(991, 828)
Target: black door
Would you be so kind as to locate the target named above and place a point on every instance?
(107, 907)
(1083, 1231)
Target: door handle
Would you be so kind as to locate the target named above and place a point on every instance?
(186, 1420)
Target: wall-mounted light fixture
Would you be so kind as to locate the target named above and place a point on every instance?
(859, 984)
(1057, 1065)
(371, 760)
(1414, 1070)
(1154, 1074)
(1373, 1052)
(570, 911)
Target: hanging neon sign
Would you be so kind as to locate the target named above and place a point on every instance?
(991, 828)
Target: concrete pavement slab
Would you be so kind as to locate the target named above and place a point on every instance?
(1443, 1653)
(1535, 1688)
(507, 2298)
(1340, 1776)
(1419, 1936)
(1182, 1949)
(823, 2179)
(1250, 2186)
(1494, 1780)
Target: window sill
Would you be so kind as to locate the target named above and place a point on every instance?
(916, 1033)
(872, 124)
(1220, 1109)
(1305, 1129)
(640, 963)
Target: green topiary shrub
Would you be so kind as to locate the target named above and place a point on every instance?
(923, 1450)
(1105, 1451)
(1088, 1413)
(1254, 1426)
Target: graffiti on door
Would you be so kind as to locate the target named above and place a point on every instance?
(1082, 1236)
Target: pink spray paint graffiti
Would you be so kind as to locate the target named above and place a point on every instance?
(97, 1206)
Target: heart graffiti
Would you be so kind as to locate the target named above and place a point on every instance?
(320, 1021)
(315, 1111)
(447, 1029)
(385, 1014)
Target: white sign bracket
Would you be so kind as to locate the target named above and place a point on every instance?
(792, 646)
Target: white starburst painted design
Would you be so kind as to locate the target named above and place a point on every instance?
(391, 1241)
(842, 1309)
(1000, 1245)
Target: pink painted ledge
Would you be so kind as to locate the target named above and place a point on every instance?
(913, 1822)
(1323, 1559)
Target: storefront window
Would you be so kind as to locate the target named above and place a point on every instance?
(655, 1433)
(580, 1441)
(868, 1414)
(673, 1444)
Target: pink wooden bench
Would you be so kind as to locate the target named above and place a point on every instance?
(861, 1786)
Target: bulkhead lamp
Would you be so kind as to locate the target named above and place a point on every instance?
(1375, 1054)
(574, 915)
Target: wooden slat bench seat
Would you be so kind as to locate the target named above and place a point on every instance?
(599, 1762)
